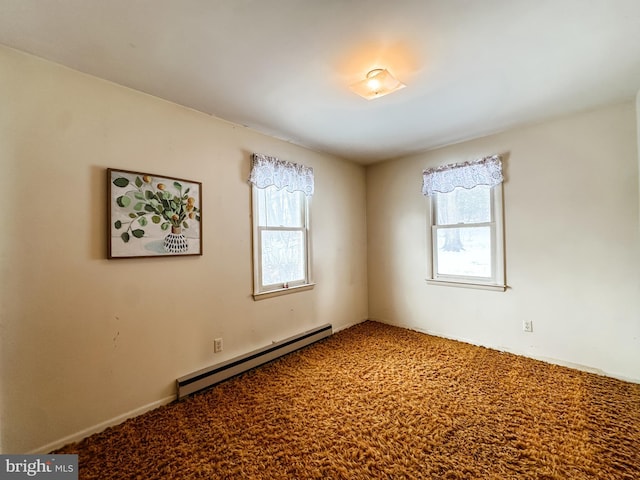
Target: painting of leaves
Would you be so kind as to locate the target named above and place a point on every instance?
(150, 215)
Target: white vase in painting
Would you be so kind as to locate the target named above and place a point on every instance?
(175, 242)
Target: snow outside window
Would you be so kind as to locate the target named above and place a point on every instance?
(281, 240)
(466, 237)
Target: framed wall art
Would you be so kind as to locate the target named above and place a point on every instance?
(152, 215)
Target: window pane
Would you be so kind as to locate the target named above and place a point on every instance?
(464, 206)
(282, 257)
(279, 208)
(464, 251)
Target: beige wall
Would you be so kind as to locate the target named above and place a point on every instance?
(572, 245)
(87, 340)
(638, 133)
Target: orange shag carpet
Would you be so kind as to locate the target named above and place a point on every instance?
(377, 401)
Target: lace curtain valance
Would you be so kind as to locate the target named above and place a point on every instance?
(446, 178)
(267, 171)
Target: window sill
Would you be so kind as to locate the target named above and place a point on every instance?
(283, 291)
(479, 286)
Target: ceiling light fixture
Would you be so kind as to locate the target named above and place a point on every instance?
(377, 83)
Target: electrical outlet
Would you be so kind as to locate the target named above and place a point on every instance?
(527, 326)
(217, 345)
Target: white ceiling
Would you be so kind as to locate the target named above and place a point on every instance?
(283, 67)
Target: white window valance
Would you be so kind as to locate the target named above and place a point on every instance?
(267, 171)
(446, 178)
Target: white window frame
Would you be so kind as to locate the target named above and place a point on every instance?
(497, 279)
(260, 290)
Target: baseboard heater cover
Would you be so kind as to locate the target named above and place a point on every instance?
(210, 376)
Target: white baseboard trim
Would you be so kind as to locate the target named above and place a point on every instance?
(553, 361)
(75, 437)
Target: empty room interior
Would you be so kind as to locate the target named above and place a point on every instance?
(546, 94)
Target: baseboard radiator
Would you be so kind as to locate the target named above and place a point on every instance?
(210, 376)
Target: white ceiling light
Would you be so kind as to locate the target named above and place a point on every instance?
(377, 83)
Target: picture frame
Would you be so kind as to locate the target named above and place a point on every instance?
(153, 215)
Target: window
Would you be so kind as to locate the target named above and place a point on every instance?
(281, 227)
(281, 239)
(466, 239)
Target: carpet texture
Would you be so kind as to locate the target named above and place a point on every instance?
(376, 401)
